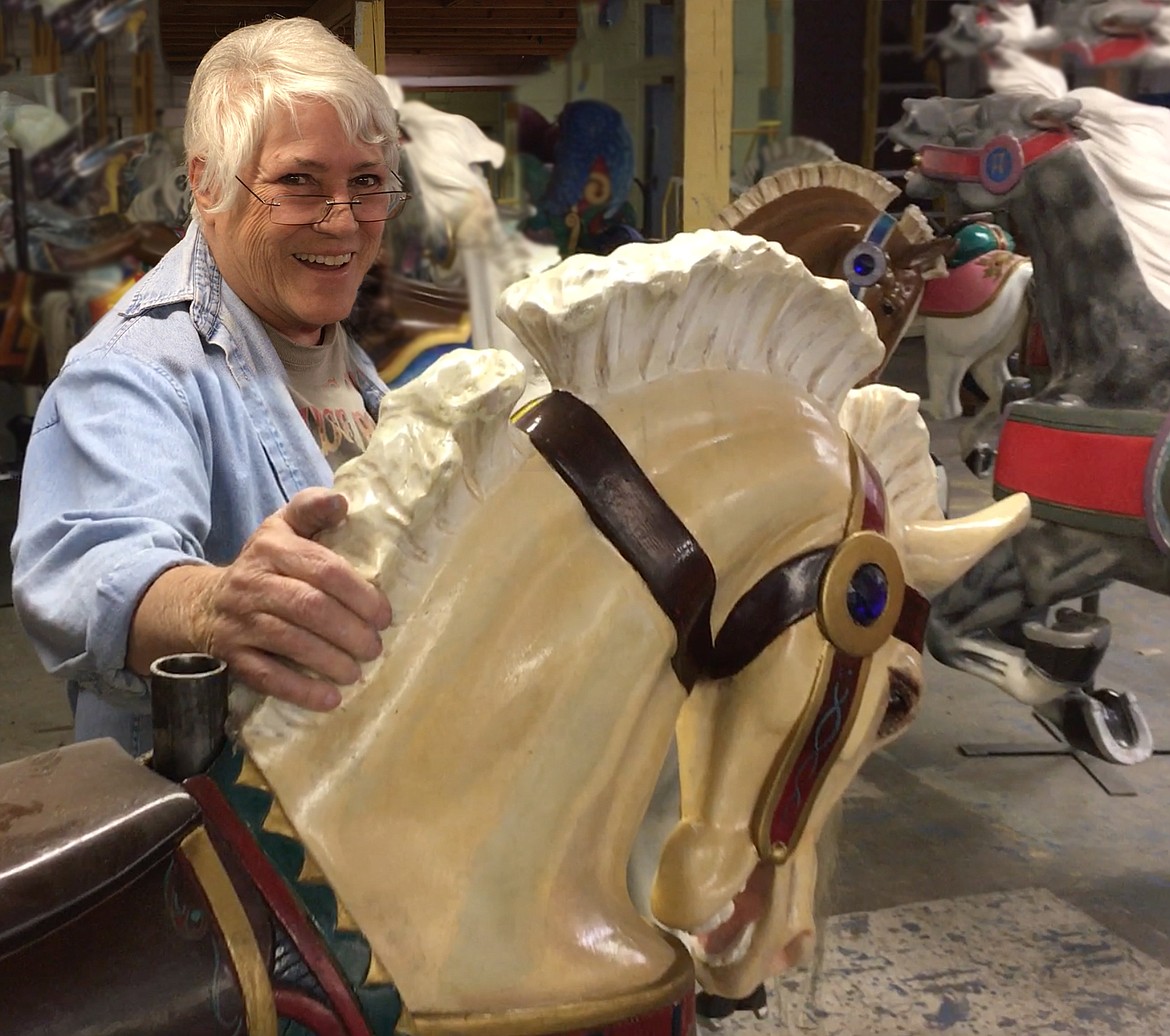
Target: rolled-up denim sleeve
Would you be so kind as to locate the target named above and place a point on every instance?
(115, 490)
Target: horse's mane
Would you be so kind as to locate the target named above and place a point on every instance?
(709, 300)
(884, 421)
(865, 183)
(599, 326)
(1128, 146)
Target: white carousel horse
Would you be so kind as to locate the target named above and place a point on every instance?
(775, 154)
(973, 320)
(443, 151)
(556, 580)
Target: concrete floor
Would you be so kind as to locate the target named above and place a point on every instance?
(972, 895)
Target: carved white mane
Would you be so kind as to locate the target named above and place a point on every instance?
(712, 300)
(1128, 147)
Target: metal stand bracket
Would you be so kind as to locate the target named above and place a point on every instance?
(1105, 774)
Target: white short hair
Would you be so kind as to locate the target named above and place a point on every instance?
(253, 72)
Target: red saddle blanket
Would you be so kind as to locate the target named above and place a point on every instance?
(969, 288)
(1089, 468)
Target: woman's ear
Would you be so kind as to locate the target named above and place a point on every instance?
(199, 196)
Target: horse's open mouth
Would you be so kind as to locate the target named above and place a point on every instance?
(725, 938)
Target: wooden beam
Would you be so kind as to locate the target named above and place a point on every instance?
(143, 90)
(477, 20)
(46, 48)
(492, 66)
(369, 34)
(332, 13)
(707, 106)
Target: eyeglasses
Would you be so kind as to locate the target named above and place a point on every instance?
(304, 210)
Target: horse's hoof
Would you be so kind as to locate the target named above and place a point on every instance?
(1117, 726)
(1108, 724)
(980, 460)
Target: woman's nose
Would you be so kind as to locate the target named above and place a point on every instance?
(345, 206)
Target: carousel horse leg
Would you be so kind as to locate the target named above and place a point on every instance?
(978, 441)
(985, 625)
(944, 375)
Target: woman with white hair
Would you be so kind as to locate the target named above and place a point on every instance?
(181, 463)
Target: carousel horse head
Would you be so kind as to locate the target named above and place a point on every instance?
(1069, 169)
(833, 216)
(994, 25)
(558, 579)
(981, 148)
(971, 31)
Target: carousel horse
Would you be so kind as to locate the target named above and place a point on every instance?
(776, 153)
(1114, 33)
(444, 853)
(578, 172)
(1104, 39)
(833, 216)
(1005, 37)
(1084, 181)
(973, 320)
(472, 250)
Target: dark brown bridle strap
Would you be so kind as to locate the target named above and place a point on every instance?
(626, 508)
(782, 597)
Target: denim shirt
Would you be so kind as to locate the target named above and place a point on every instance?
(167, 438)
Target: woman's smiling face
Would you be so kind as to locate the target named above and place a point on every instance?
(300, 279)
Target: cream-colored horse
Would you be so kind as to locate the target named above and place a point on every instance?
(556, 580)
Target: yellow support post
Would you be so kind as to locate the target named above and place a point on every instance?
(369, 34)
(918, 28)
(708, 53)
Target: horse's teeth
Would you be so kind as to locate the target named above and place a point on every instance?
(734, 953)
(714, 922)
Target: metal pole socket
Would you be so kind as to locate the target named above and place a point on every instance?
(188, 705)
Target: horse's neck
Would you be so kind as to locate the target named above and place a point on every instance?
(494, 884)
(1103, 327)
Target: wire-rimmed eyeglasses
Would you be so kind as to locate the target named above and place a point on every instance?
(304, 210)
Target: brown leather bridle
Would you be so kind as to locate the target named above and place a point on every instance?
(856, 590)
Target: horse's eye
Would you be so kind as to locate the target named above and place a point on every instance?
(902, 704)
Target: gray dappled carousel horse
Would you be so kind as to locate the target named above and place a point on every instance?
(1085, 182)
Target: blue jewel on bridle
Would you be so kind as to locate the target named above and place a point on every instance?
(866, 263)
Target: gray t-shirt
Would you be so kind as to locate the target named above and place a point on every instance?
(324, 392)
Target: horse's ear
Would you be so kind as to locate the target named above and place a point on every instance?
(939, 553)
(925, 254)
(1051, 114)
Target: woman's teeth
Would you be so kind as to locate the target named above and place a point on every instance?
(325, 260)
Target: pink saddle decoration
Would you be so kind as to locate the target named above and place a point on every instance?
(969, 288)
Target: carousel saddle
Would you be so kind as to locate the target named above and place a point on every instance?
(77, 824)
